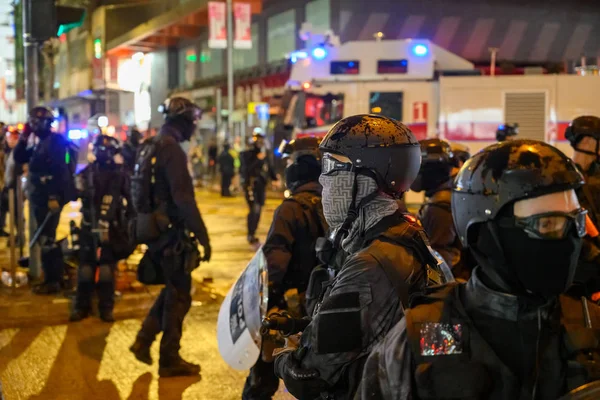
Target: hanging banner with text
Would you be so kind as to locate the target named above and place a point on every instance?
(217, 25)
(242, 15)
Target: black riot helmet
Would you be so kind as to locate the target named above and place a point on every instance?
(40, 120)
(461, 152)
(180, 107)
(507, 132)
(581, 127)
(304, 161)
(437, 162)
(134, 136)
(504, 173)
(306, 146)
(104, 149)
(378, 146)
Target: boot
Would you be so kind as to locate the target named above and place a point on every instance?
(177, 367)
(141, 351)
(106, 315)
(47, 288)
(79, 315)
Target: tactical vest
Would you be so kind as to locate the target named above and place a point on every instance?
(453, 361)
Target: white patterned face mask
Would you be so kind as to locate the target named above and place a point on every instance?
(337, 194)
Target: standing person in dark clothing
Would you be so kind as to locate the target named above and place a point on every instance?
(50, 185)
(256, 170)
(213, 153)
(227, 168)
(584, 136)
(368, 162)
(130, 147)
(435, 179)
(509, 332)
(290, 250)
(170, 223)
(106, 207)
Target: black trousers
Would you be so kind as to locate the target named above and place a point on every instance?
(261, 383)
(255, 197)
(90, 264)
(171, 306)
(52, 259)
(226, 184)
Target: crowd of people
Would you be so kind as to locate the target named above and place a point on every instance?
(489, 292)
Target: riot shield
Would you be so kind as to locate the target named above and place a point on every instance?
(241, 315)
(590, 391)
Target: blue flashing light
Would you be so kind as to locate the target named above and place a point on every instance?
(298, 55)
(420, 50)
(501, 127)
(77, 134)
(319, 53)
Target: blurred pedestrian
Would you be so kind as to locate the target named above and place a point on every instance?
(104, 189)
(12, 171)
(50, 186)
(130, 147)
(227, 169)
(213, 152)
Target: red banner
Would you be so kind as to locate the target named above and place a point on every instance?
(243, 36)
(217, 25)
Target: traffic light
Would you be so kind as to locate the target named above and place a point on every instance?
(48, 20)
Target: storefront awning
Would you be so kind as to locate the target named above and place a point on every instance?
(165, 30)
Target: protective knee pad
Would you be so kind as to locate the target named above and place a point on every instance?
(105, 273)
(86, 273)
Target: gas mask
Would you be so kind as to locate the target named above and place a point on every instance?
(536, 255)
(303, 170)
(431, 176)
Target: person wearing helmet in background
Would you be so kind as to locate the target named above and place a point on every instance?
(507, 132)
(106, 207)
(461, 155)
(290, 250)
(368, 162)
(50, 185)
(256, 169)
(130, 147)
(508, 333)
(435, 179)
(169, 206)
(584, 136)
(227, 169)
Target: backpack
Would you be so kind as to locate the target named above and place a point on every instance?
(150, 221)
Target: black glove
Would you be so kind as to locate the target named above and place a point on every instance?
(207, 252)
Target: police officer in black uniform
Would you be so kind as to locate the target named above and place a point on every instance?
(173, 192)
(106, 208)
(49, 186)
(584, 135)
(435, 180)
(508, 333)
(256, 169)
(368, 161)
(130, 147)
(290, 248)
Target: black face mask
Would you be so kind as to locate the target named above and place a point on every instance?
(527, 266)
(305, 169)
(431, 176)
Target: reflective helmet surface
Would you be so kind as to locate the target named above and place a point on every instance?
(41, 118)
(586, 125)
(181, 107)
(461, 152)
(383, 145)
(505, 131)
(436, 151)
(306, 146)
(105, 148)
(504, 173)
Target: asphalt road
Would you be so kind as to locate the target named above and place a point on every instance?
(90, 359)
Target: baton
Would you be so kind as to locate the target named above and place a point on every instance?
(38, 233)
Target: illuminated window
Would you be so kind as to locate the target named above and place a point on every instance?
(246, 58)
(318, 14)
(211, 61)
(388, 104)
(281, 35)
(188, 59)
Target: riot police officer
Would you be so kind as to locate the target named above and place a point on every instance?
(106, 208)
(165, 202)
(584, 136)
(50, 185)
(368, 161)
(461, 154)
(507, 132)
(130, 147)
(508, 333)
(290, 249)
(435, 179)
(256, 169)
